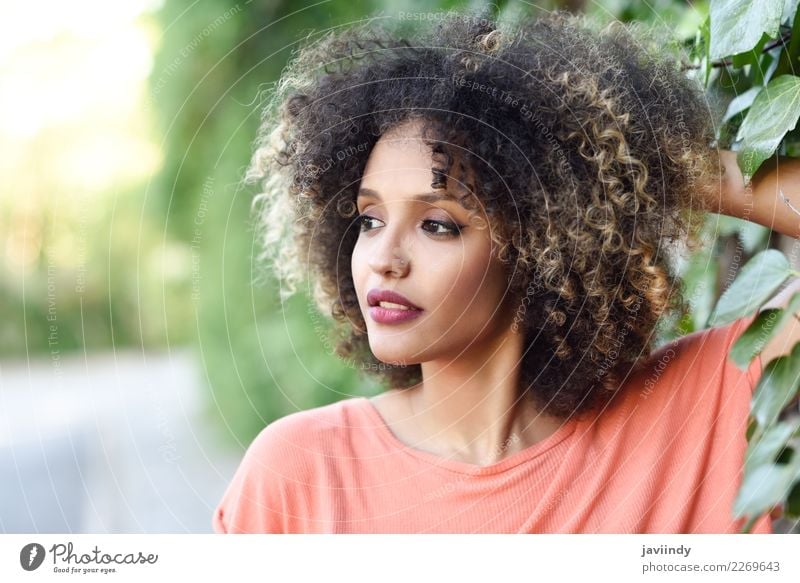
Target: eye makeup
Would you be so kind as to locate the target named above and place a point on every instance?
(450, 229)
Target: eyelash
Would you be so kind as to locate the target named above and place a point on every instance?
(454, 229)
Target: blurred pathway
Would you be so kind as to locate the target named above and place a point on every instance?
(112, 443)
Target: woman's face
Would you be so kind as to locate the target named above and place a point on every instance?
(430, 252)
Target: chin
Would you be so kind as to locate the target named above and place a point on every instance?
(391, 357)
(389, 353)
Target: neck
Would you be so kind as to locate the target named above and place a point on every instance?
(470, 407)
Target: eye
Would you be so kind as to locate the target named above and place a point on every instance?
(449, 229)
(435, 228)
(363, 222)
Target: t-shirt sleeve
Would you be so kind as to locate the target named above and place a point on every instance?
(255, 499)
(700, 363)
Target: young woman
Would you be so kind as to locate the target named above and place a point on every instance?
(490, 214)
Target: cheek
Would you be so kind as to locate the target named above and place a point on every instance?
(357, 265)
(470, 281)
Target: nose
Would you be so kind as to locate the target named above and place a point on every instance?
(389, 260)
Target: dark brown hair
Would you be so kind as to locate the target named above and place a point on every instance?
(590, 153)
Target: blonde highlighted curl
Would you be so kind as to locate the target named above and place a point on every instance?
(587, 149)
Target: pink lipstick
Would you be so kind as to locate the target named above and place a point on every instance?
(396, 308)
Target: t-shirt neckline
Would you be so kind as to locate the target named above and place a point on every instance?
(387, 436)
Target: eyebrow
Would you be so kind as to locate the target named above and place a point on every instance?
(425, 197)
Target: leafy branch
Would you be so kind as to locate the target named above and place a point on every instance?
(751, 48)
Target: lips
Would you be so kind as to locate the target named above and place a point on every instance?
(376, 296)
(404, 311)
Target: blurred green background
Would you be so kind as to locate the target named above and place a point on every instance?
(126, 128)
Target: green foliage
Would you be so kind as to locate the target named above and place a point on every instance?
(761, 330)
(737, 25)
(764, 488)
(748, 55)
(768, 446)
(744, 59)
(774, 111)
(772, 470)
(776, 388)
(759, 280)
(768, 479)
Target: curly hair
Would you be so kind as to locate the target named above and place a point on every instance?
(588, 150)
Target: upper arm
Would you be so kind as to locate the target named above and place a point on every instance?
(762, 200)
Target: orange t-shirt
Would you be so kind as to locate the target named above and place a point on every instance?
(667, 457)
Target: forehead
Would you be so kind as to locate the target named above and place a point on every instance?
(401, 163)
(400, 160)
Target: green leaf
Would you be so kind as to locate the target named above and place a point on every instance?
(754, 285)
(725, 225)
(765, 449)
(754, 338)
(741, 102)
(751, 59)
(793, 501)
(753, 236)
(737, 25)
(761, 330)
(769, 64)
(789, 10)
(705, 31)
(752, 426)
(774, 112)
(699, 276)
(788, 57)
(776, 387)
(765, 487)
(745, 58)
(785, 456)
